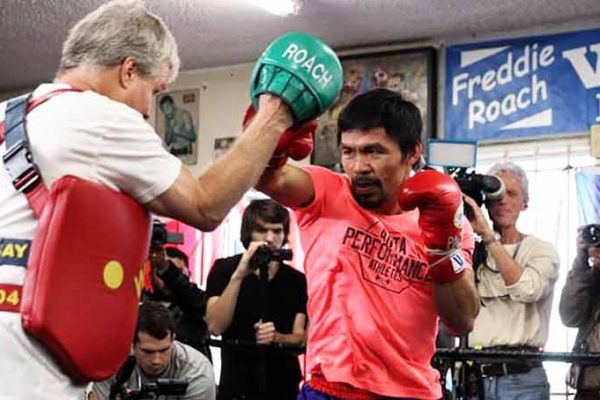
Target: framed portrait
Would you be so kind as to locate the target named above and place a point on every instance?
(412, 73)
(221, 145)
(177, 123)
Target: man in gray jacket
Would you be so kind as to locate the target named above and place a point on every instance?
(159, 357)
(580, 308)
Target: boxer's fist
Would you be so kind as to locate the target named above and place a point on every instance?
(296, 143)
(439, 200)
(303, 71)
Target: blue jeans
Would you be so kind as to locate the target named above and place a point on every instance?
(532, 385)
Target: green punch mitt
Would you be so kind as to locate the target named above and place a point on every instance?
(303, 71)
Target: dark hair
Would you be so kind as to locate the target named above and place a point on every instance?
(174, 252)
(266, 211)
(165, 98)
(154, 319)
(383, 108)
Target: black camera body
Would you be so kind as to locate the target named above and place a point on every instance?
(591, 235)
(479, 187)
(152, 390)
(149, 390)
(264, 254)
(161, 236)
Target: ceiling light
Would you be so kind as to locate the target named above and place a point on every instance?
(282, 8)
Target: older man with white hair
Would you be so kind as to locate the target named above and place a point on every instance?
(515, 280)
(89, 123)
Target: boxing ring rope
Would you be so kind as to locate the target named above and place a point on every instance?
(460, 354)
(454, 354)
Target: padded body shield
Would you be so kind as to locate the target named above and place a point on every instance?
(84, 277)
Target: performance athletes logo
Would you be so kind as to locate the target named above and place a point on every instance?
(383, 259)
(523, 87)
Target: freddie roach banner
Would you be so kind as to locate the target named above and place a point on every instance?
(523, 87)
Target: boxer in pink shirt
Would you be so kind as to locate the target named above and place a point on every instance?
(388, 252)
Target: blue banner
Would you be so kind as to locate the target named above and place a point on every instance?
(523, 87)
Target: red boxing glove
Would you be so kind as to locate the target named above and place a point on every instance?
(296, 143)
(439, 200)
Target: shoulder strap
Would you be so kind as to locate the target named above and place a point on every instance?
(18, 159)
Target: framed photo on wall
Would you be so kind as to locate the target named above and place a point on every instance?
(412, 73)
(221, 145)
(177, 122)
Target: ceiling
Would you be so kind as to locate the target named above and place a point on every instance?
(222, 32)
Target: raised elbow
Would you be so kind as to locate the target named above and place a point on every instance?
(207, 221)
(214, 328)
(210, 224)
(461, 328)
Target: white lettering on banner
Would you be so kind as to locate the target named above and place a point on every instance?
(523, 68)
(528, 63)
(577, 57)
(482, 113)
(301, 56)
(598, 115)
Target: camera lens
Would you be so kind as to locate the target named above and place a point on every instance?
(591, 235)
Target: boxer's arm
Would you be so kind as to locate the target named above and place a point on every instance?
(206, 201)
(457, 303)
(439, 200)
(288, 185)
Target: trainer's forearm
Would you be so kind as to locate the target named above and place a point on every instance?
(457, 303)
(222, 185)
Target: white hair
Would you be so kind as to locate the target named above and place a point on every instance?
(117, 30)
(515, 170)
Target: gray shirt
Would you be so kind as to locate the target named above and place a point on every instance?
(187, 364)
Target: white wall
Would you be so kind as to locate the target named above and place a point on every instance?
(223, 101)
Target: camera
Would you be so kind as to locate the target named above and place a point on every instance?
(161, 236)
(153, 390)
(148, 390)
(591, 235)
(479, 187)
(265, 254)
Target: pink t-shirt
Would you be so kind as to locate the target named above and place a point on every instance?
(372, 318)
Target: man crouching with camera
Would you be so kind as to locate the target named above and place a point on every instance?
(244, 308)
(160, 365)
(580, 308)
(515, 278)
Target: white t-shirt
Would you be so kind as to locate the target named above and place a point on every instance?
(92, 137)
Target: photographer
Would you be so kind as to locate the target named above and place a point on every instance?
(580, 308)
(234, 310)
(515, 279)
(158, 356)
(172, 287)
